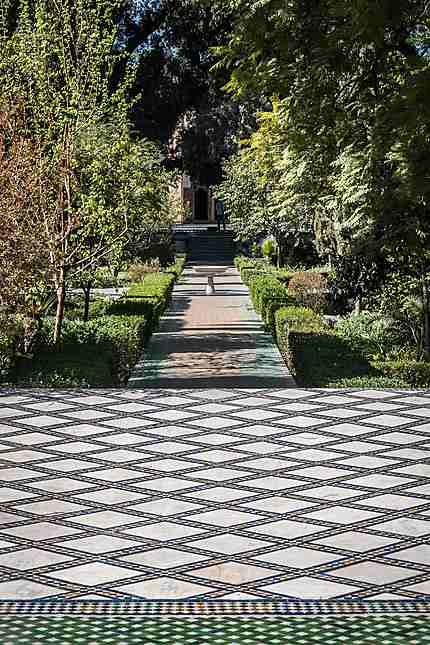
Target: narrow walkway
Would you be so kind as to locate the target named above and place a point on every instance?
(217, 340)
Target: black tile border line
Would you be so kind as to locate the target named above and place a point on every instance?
(215, 607)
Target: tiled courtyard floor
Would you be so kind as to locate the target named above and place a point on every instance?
(324, 630)
(217, 339)
(215, 495)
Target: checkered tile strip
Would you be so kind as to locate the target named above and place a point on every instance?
(215, 607)
(215, 494)
(411, 630)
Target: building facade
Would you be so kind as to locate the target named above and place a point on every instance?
(198, 202)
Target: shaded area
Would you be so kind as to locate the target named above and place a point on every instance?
(324, 359)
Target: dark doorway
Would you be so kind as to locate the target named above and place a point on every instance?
(201, 205)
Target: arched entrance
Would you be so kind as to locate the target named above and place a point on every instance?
(201, 205)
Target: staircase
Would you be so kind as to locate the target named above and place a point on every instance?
(211, 247)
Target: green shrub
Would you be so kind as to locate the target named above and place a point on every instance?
(295, 326)
(310, 289)
(242, 261)
(318, 357)
(11, 337)
(124, 338)
(100, 352)
(415, 373)
(148, 298)
(264, 290)
(377, 337)
(248, 273)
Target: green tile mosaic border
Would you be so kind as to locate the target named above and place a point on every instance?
(321, 630)
(216, 607)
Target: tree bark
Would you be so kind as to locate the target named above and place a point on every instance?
(61, 299)
(87, 292)
(357, 306)
(426, 318)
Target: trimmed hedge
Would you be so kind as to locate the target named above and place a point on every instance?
(318, 357)
(102, 351)
(315, 355)
(148, 298)
(178, 266)
(269, 294)
(95, 353)
(298, 320)
(243, 262)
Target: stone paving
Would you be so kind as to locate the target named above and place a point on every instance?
(216, 339)
(215, 494)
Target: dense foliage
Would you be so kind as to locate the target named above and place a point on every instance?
(346, 146)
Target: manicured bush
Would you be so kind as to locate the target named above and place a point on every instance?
(298, 319)
(95, 353)
(148, 298)
(249, 273)
(315, 355)
(267, 292)
(11, 337)
(243, 261)
(310, 289)
(124, 338)
(318, 357)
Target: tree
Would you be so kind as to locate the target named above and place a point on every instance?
(354, 78)
(59, 63)
(258, 198)
(24, 195)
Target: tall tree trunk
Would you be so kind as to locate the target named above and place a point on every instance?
(278, 251)
(426, 318)
(357, 306)
(87, 292)
(61, 299)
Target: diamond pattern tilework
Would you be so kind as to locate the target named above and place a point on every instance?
(164, 587)
(298, 557)
(219, 630)
(307, 587)
(215, 494)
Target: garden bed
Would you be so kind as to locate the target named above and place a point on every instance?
(102, 351)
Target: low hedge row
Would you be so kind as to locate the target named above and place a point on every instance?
(178, 266)
(415, 373)
(297, 321)
(102, 351)
(318, 357)
(148, 298)
(268, 294)
(95, 353)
